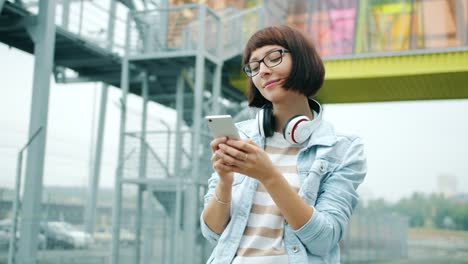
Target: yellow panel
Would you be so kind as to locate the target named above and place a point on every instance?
(392, 27)
(394, 8)
(392, 78)
(398, 65)
(396, 88)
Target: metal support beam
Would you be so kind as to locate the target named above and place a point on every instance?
(103, 78)
(261, 19)
(93, 183)
(117, 205)
(361, 43)
(177, 166)
(17, 200)
(93, 187)
(462, 32)
(217, 80)
(412, 29)
(2, 2)
(215, 108)
(163, 23)
(152, 221)
(65, 13)
(84, 61)
(192, 197)
(141, 168)
(44, 46)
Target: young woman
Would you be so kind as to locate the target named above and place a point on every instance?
(286, 191)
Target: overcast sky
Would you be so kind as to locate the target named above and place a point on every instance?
(408, 144)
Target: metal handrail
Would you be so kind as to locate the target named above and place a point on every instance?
(86, 23)
(169, 8)
(240, 25)
(16, 201)
(174, 28)
(244, 12)
(152, 152)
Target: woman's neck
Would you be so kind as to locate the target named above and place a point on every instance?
(283, 111)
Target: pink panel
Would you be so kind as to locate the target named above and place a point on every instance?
(342, 30)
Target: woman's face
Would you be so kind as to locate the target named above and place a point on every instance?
(269, 80)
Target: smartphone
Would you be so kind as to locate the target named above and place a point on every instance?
(222, 126)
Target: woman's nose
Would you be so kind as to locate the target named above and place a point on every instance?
(264, 70)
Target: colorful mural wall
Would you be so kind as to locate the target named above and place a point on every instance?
(339, 27)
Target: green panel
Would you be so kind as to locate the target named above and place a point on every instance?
(239, 82)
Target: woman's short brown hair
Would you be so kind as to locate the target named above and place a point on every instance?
(307, 73)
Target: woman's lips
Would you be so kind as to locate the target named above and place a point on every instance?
(270, 84)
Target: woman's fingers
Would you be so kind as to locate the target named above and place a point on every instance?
(245, 145)
(239, 149)
(214, 158)
(215, 143)
(219, 165)
(232, 153)
(231, 157)
(228, 159)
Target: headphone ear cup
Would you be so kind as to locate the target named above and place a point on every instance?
(297, 129)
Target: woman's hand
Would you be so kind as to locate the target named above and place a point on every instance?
(225, 173)
(246, 157)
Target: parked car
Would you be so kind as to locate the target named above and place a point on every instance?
(64, 235)
(4, 240)
(56, 237)
(81, 239)
(5, 231)
(103, 236)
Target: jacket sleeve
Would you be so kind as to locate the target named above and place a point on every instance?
(337, 198)
(209, 234)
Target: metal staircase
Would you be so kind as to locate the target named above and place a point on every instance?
(183, 62)
(177, 56)
(90, 60)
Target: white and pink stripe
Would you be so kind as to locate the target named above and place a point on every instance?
(262, 241)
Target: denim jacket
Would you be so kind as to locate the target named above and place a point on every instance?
(330, 167)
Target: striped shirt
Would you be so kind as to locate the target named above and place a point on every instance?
(262, 241)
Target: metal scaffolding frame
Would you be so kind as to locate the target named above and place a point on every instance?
(194, 52)
(93, 186)
(169, 58)
(43, 35)
(1, 4)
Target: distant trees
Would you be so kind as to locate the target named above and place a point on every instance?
(426, 210)
(460, 216)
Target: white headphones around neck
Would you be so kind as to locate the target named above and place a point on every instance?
(297, 129)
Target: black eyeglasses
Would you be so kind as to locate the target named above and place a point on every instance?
(271, 59)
